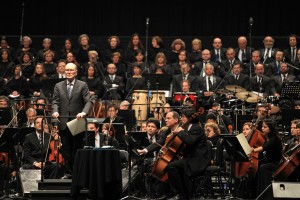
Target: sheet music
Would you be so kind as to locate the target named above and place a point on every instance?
(76, 126)
(244, 143)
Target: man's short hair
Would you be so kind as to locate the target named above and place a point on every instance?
(154, 121)
(211, 116)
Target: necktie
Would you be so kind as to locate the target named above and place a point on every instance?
(267, 54)
(209, 84)
(284, 78)
(293, 54)
(112, 78)
(218, 56)
(40, 138)
(184, 77)
(70, 88)
(236, 77)
(243, 56)
(260, 84)
(278, 68)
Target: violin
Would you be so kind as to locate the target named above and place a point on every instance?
(55, 145)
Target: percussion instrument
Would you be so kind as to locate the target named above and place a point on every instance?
(158, 98)
(140, 99)
(274, 101)
(249, 97)
(235, 88)
(182, 98)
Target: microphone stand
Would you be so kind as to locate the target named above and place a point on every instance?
(22, 22)
(146, 51)
(226, 75)
(250, 46)
(290, 65)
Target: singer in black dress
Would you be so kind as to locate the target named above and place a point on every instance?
(136, 82)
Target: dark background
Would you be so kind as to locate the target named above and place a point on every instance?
(185, 19)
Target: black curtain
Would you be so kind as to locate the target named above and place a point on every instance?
(124, 17)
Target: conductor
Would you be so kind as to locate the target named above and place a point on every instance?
(70, 98)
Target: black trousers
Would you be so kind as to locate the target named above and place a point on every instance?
(179, 181)
(70, 145)
(50, 170)
(265, 175)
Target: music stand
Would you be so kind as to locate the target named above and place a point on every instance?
(129, 118)
(131, 148)
(48, 86)
(5, 116)
(159, 81)
(288, 115)
(120, 131)
(6, 145)
(236, 152)
(140, 138)
(290, 90)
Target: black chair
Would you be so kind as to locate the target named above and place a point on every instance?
(214, 176)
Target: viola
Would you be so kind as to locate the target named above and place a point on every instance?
(55, 145)
(173, 148)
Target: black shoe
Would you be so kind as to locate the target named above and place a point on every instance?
(67, 176)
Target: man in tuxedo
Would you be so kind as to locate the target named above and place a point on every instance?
(35, 150)
(114, 84)
(177, 79)
(243, 52)
(261, 83)
(70, 98)
(237, 78)
(228, 63)
(98, 139)
(283, 77)
(60, 70)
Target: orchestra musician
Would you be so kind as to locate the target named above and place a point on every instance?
(100, 139)
(194, 160)
(6, 171)
(294, 139)
(272, 149)
(34, 154)
(31, 115)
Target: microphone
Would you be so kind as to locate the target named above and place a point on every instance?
(147, 21)
(251, 21)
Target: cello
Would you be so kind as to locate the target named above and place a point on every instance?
(289, 165)
(255, 139)
(173, 148)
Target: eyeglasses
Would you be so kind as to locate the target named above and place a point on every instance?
(70, 70)
(111, 111)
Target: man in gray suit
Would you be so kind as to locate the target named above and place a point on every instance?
(70, 98)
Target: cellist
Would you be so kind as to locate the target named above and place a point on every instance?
(195, 157)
